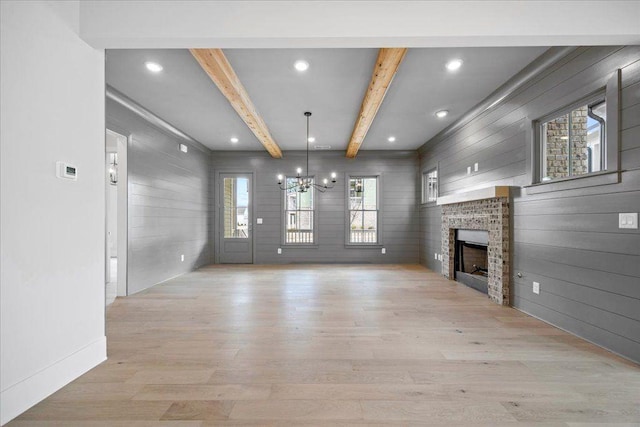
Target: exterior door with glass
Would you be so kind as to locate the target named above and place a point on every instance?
(236, 239)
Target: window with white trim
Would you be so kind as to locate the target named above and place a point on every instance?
(299, 214)
(430, 186)
(363, 210)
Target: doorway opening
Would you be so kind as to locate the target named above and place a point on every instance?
(236, 239)
(116, 216)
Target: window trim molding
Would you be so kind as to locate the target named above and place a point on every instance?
(425, 172)
(610, 173)
(379, 243)
(283, 219)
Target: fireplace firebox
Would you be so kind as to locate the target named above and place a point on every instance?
(471, 259)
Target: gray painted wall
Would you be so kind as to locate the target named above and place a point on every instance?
(168, 201)
(397, 169)
(569, 241)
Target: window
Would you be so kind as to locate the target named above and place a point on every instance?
(363, 210)
(573, 141)
(298, 214)
(578, 146)
(236, 208)
(430, 186)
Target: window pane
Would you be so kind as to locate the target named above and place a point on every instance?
(306, 199)
(595, 135)
(556, 148)
(370, 193)
(235, 209)
(299, 227)
(574, 142)
(579, 149)
(430, 186)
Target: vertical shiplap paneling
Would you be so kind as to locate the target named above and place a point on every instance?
(400, 226)
(168, 201)
(568, 241)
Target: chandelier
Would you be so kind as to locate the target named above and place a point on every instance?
(302, 183)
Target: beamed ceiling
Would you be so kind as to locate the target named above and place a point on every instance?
(333, 88)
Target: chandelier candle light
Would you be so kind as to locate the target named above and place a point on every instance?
(302, 183)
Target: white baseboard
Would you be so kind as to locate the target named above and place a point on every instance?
(23, 395)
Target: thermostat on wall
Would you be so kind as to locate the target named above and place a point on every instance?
(66, 171)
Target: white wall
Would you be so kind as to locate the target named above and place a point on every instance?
(52, 324)
(295, 23)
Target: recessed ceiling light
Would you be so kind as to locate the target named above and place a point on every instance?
(234, 140)
(391, 139)
(154, 67)
(301, 65)
(441, 114)
(454, 64)
(311, 139)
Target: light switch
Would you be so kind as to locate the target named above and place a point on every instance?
(439, 257)
(475, 167)
(435, 256)
(468, 170)
(628, 220)
(259, 220)
(536, 288)
(384, 250)
(279, 251)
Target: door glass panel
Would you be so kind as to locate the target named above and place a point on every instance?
(236, 208)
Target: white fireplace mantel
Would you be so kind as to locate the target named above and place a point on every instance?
(479, 194)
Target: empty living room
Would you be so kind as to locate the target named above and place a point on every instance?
(329, 213)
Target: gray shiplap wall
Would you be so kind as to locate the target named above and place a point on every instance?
(398, 171)
(168, 201)
(568, 241)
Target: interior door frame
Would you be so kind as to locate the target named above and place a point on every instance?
(124, 141)
(218, 212)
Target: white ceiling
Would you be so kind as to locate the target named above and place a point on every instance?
(332, 89)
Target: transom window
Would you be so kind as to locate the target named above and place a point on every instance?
(430, 186)
(299, 213)
(363, 210)
(573, 141)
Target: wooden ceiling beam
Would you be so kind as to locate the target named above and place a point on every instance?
(218, 68)
(387, 64)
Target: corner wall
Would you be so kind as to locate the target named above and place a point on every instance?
(397, 169)
(52, 292)
(168, 201)
(568, 241)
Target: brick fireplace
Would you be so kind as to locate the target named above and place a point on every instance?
(485, 209)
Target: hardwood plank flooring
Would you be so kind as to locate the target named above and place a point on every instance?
(337, 345)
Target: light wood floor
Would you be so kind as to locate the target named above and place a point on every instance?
(337, 345)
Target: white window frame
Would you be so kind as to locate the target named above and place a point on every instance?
(286, 217)
(378, 210)
(426, 196)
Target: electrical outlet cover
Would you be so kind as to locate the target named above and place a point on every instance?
(536, 288)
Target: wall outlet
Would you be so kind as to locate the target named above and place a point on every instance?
(384, 250)
(182, 258)
(259, 220)
(468, 170)
(628, 220)
(475, 167)
(536, 288)
(184, 148)
(279, 251)
(439, 257)
(435, 256)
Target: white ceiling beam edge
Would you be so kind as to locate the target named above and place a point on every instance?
(286, 24)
